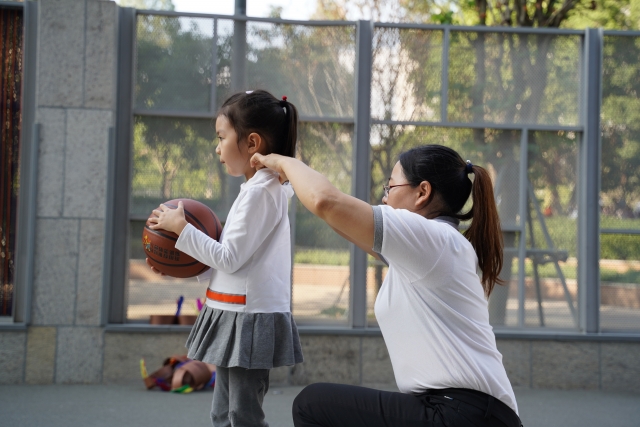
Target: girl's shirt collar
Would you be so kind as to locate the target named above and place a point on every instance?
(262, 176)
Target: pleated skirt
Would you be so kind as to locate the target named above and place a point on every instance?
(247, 340)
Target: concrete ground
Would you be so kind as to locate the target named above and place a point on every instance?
(132, 405)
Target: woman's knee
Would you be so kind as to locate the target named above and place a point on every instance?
(308, 399)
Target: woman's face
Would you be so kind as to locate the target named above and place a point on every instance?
(401, 195)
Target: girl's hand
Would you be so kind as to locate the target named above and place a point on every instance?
(155, 270)
(271, 161)
(168, 219)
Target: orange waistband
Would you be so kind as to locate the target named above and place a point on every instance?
(228, 298)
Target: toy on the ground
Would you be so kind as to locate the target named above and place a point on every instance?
(179, 374)
(159, 245)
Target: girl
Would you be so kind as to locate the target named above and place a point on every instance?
(432, 306)
(246, 327)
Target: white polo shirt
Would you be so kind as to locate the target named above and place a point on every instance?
(432, 310)
(253, 257)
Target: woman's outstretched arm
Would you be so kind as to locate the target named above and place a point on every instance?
(348, 216)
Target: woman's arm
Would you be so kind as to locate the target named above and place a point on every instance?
(348, 216)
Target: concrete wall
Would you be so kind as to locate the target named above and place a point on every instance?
(66, 343)
(548, 364)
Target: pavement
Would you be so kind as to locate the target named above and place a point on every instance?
(124, 405)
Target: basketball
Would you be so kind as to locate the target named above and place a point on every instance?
(159, 245)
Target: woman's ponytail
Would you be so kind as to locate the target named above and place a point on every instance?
(448, 175)
(291, 133)
(484, 233)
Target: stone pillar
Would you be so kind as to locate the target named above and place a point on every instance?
(75, 105)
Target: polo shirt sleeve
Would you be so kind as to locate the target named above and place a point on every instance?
(254, 219)
(409, 242)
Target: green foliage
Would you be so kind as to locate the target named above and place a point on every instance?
(623, 247)
(175, 158)
(312, 66)
(443, 17)
(607, 14)
(173, 63)
(630, 276)
(612, 276)
(321, 256)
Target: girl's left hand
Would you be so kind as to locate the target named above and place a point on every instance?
(168, 219)
(271, 161)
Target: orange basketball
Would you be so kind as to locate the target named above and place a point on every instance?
(159, 245)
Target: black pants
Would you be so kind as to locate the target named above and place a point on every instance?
(337, 405)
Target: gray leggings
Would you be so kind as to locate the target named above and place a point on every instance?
(237, 397)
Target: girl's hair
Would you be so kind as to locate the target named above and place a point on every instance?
(258, 111)
(447, 173)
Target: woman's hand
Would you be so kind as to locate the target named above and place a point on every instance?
(352, 218)
(271, 161)
(168, 219)
(155, 270)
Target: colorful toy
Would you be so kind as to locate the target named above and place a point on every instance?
(180, 374)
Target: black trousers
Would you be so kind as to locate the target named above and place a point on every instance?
(338, 405)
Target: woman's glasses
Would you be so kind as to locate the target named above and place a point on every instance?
(386, 188)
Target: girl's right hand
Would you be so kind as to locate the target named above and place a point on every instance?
(155, 270)
(270, 161)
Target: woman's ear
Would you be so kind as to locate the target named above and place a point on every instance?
(255, 143)
(423, 194)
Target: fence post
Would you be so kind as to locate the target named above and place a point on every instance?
(119, 176)
(360, 181)
(589, 191)
(238, 84)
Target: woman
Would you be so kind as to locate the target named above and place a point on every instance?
(432, 306)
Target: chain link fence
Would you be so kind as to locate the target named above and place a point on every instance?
(620, 181)
(511, 102)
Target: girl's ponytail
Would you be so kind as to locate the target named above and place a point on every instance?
(291, 133)
(485, 233)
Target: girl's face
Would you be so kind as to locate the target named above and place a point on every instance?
(235, 156)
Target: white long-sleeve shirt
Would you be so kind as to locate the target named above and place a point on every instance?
(253, 257)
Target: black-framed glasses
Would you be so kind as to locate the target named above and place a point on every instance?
(386, 188)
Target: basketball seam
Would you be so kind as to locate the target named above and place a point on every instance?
(159, 233)
(174, 265)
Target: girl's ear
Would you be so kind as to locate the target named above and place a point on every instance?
(423, 194)
(255, 143)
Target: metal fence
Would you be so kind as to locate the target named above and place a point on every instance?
(523, 103)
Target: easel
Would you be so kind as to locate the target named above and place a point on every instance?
(539, 256)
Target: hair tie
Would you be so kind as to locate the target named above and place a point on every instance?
(469, 168)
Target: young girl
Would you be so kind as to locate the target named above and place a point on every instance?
(245, 328)
(432, 306)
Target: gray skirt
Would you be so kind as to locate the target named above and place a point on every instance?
(247, 340)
